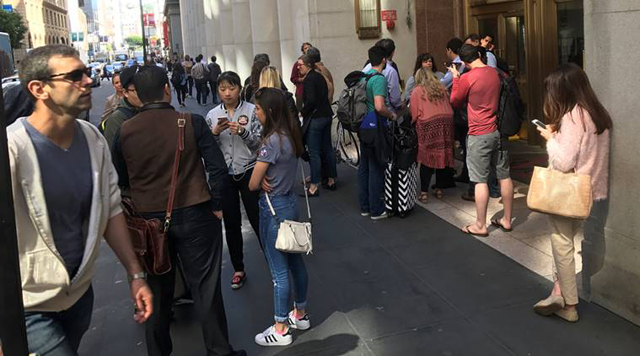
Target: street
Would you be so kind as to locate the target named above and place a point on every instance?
(414, 286)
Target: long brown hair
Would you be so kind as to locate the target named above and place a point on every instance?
(431, 85)
(567, 87)
(423, 58)
(278, 118)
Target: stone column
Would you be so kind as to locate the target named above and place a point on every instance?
(187, 25)
(209, 28)
(243, 38)
(265, 30)
(294, 30)
(614, 244)
(227, 59)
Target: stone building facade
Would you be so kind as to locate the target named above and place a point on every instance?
(47, 22)
(235, 31)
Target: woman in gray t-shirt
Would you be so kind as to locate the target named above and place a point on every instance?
(274, 173)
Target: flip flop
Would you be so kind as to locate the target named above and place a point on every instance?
(467, 231)
(496, 223)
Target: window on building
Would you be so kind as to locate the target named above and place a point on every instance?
(368, 23)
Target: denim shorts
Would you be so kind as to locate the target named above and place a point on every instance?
(484, 154)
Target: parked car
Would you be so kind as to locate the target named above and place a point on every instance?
(118, 66)
(10, 81)
(109, 68)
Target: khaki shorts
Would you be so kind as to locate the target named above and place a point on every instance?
(484, 155)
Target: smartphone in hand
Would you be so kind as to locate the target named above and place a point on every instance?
(539, 123)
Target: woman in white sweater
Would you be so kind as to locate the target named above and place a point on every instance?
(577, 134)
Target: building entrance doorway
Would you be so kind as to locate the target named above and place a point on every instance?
(505, 22)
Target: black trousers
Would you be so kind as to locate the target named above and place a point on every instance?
(443, 178)
(190, 85)
(181, 92)
(202, 91)
(214, 90)
(196, 236)
(238, 188)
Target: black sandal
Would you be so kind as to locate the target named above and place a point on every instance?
(498, 224)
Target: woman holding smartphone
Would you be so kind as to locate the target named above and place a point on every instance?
(577, 140)
(275, 174)
(237, 130)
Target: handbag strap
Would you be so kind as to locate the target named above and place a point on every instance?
(174, 175)
(306, 197)
(306, 192)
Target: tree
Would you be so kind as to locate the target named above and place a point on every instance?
(12, 23)
(134, 41)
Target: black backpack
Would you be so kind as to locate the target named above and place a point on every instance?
(511, 109)
(352, 102)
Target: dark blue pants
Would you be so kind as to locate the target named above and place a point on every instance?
(370, 182)
(319, 145)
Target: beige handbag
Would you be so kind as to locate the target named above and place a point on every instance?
(294, 236)
(557, 193)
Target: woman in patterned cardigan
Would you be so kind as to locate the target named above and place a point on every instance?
(432, 113)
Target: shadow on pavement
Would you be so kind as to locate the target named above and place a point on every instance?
(339, 344)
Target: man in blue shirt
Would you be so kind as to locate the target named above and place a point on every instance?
(453, 46)
(475, 40)
(390, 72)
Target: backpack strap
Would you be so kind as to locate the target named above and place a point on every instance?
(126, 111)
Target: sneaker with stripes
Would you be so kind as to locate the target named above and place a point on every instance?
(299, 324)
(270, 337)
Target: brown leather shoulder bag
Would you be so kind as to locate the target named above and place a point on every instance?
(150, 236)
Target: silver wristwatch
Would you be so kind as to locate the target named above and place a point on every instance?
(140, 275)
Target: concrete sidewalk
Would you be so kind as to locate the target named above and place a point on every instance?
(414, 286)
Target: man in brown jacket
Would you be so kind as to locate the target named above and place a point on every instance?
(143, 154)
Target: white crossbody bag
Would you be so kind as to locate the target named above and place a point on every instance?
(294, 236)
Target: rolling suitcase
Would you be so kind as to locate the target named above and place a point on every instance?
(400, 189)
(401, 176)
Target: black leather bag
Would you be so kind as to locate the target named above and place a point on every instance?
(405, 143)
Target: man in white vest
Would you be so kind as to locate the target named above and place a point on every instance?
(66, 198)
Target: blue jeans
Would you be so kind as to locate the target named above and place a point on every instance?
(59, 333)
(319, 145)
(370, 182)
(281, 263)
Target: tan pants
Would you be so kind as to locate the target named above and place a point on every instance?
(564, 266)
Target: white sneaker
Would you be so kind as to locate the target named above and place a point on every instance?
(364, 213)
(270, 337)
(380, 217)
(299, 324)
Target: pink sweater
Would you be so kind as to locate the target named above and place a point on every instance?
(577, 146)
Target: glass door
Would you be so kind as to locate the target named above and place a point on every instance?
(506, 23)
(516, 56)
(570, 20)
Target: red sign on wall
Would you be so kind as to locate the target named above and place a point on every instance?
(389, 15)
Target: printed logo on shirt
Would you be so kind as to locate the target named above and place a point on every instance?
(243, 120)
(264, 153)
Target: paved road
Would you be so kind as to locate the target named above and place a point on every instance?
(415, 286)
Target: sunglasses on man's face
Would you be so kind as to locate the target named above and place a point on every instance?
(73, 76)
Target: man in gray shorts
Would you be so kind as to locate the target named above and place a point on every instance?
(479, 89)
